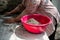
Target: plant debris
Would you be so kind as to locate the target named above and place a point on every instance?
(33, 21)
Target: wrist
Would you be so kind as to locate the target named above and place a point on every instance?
(17, 19)
(8, 12)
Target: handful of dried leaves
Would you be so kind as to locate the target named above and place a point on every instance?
(33, 21)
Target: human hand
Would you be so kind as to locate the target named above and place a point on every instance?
(10, 20)
(7, 13)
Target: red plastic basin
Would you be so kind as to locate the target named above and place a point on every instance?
(44, 20)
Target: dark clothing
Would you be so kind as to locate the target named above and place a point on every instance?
(52, 37)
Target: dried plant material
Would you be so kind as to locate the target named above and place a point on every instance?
(33, 21)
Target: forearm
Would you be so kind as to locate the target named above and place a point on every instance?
(15, 10)
(25, 12)
(30, 8)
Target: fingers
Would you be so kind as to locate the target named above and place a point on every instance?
(9, 21)
(7, 13)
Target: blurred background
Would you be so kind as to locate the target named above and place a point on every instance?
(7, 5)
